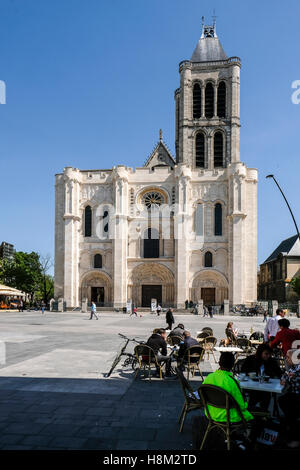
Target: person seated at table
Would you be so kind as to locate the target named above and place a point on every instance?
(285, 336)
(289, 401)
(262, 363)
(224, 379)
(157, 342)
(188, 341)
(178, 331)
(231, 333)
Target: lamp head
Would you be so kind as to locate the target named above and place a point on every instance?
(270, 176)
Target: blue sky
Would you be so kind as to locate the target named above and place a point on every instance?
(89, 84)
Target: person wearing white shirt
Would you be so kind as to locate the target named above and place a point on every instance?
(272, 326)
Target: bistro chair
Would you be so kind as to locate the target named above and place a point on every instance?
(208, 346)
(201, 336)
(191, 360)
(237, 368)
(245, 345)
(146, 359)
(218, 397)
(174, 340)
(208, 330)
(191, 402)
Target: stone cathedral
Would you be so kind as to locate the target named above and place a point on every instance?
(175, 229)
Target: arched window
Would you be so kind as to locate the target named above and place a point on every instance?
(209, 100)
(199, 220)
(218, 220)
(88, 221)
(197, 111)
(151, 243)
(218, 149)
(221, 111)
(208, 260)
(98, 261)
(200, 150)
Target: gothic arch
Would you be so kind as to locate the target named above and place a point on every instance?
(151, 274)
(96, 279)
(209, 278)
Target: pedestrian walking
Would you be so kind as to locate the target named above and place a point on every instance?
(158, 310)
(43, 305)
(210, 311)
(134, 312)
(265, 316)
(205, 311)
(93, 311)
(170, 318)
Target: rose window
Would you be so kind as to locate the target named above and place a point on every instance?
(153, 199)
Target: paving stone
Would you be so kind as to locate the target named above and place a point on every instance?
(67, 442)
(100, 411)
(24, 428)
(124, 444)
(7, 439)
(59, 430)
(136, 434)
(98, 444)
(37, 440)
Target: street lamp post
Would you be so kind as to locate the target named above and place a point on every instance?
(272, 176)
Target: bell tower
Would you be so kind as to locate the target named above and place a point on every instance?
(208, 105)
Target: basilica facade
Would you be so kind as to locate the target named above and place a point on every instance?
(175, 229)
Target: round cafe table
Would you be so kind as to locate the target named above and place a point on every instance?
(233, 349)
(273, 387)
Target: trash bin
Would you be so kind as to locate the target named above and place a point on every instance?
(124, 310)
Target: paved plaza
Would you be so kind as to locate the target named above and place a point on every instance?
(53, 390)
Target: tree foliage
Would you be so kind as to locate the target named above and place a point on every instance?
(295, 284)
(28, 272)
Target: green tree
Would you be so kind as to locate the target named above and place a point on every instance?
(46, 289)
(29, 272)
(22, 272)
(295, 284)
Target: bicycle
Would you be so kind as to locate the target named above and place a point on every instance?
(130, 358)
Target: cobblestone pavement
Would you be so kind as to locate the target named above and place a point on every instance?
(54, 395)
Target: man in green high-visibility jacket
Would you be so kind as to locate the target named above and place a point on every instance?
(223, 378)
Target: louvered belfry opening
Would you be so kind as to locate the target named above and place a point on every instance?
(200, 150)
(209, 101)
(88, 221)
(197, 111)
(221, 100)
(218, 149)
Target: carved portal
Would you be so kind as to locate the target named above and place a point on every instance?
(154, 274)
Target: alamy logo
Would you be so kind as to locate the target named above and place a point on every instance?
(2, 92)
(296, 94)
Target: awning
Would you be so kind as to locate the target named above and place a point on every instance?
(11, 291)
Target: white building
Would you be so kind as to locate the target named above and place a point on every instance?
(114, 243)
